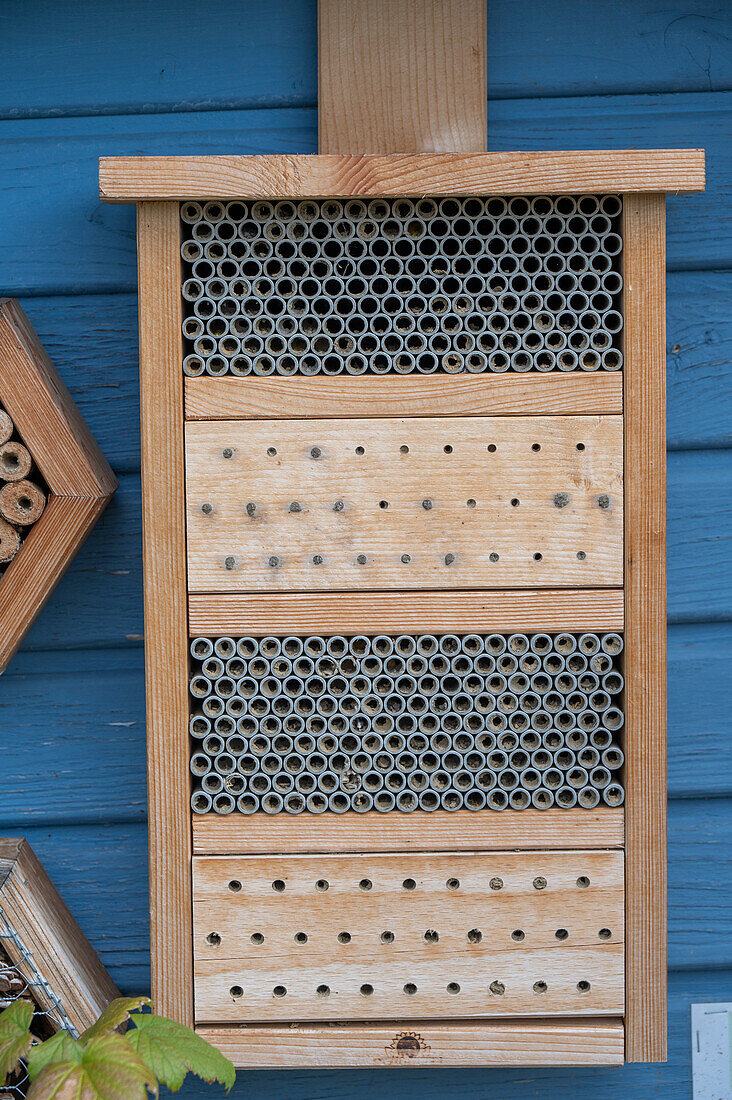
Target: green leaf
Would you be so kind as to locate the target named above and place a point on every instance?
(59, 1048)
(107, 1069)
(172, 1050)
(115, 1015)
(15, 1036)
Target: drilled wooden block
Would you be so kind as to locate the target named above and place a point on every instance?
(408, 936)
(403, 504)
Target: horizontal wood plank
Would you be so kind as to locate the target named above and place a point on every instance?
(132, 179)
(361, 612)
(214, 834)
(437, 935)
(486, 1043)
(430, 395)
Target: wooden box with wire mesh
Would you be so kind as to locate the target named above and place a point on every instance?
(404, 491)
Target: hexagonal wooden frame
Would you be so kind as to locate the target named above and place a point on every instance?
(78, 476)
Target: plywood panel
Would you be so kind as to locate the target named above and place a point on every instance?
(408, 936)
(270, 398)
(404, 504)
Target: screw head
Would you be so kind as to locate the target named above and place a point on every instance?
(406, 558)
(427, 504)
(449, 559)
(317, 559)
(296, 506)
(229, 563)
(493, 557)
(561, 500)
(361, 559)
(207, 509)
(251, 508)
(228, 452)
(603, 501)
(315, 452)
(581, 555)
(273, 562)
(338, 506)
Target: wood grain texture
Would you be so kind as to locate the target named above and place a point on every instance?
(439, 612)
(45, 554)
(429, 395)
(214, 834)
(470, 502)
(402, 76)
(489, 1043)
(426, 936)
(134, 179)
(166, 653)
(645, 626)
(31, 907)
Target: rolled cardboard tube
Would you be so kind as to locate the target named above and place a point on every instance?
(6, 426)
(9, 542)
(22, 502)
(15, 461)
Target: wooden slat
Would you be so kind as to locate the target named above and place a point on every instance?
(44, 556)
(498, 1043)
(403, 76)
(163, 507)
(359, 487)
(426, 935)
(645, 632)
(429, 395)
(130, 179)
(214, 834)
(387, 612)
(53, 945)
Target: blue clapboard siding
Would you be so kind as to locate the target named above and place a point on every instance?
(177, 55)
(81, 80)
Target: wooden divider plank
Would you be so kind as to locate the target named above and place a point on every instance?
(166, 648)
(645, 626)
(440, 831)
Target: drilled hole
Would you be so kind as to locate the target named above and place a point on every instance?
(515, 502)
(497, 988)
(236, 991)
(447, 449)
(453, 987)
(583, 882)
(366, 989)
(580, 446)
(360, 450)
(214, 939)
(518, 935)
(537, 556)
(536, 446)
(301, 937)
(604, 934)
(470, 502)
(278, 885)
(365, 884)
(409, 884)
(453, 884)
(404, 449)
(344, 937)
(383, 504)
(279, 991)
(387, 937)
(322, 884)
(561, 934)
(323, 991)
(431, 936)
(475, 935)
(492, 448)
(271, 451)
(584, 986)
(539, 987)
(235, 885)
(410, 989)
(256, 938)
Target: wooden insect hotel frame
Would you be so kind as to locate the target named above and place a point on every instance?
(390, 567)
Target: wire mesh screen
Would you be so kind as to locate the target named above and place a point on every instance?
(406, 722)
(399, 286)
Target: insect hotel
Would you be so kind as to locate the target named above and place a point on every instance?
(404, 496)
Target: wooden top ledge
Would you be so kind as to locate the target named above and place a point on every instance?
(137, 179)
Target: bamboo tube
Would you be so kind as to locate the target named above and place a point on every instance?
(22, 502)
(9, 542)
(15, 461)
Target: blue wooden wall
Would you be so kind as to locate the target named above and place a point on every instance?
(239, 76)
